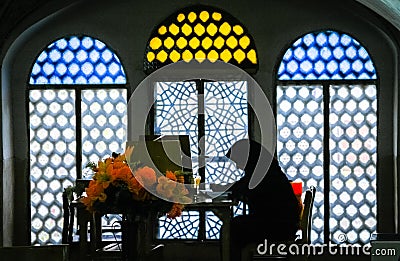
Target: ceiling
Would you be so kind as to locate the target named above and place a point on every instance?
(12, 12)
(389, 9)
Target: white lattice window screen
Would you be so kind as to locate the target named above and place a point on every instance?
(104, 122)
(352, 197)
(299, 146)
(52, 159)
(352, 154)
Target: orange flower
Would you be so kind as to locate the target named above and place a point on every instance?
(102, 197)
(146, 176)
(166, 187)
(170, 175)
(175, 211)
(134, 186)
(118, 164)
(117, 173)
(95, 189)
(123, 173)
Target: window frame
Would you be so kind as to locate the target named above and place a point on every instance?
(326, 84)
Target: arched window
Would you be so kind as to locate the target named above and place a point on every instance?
(77, 114)
(191, 107)
(200, 32)
(327, 131)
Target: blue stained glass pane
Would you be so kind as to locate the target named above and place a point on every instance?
(308, 39)
(55, 55)
(87, 42)
(306, 66)
(339, 53)
(299, 53)
(77, 60)
(333, 39)
(312, 53)
(324, 56)
(61, 44)
(321, 39)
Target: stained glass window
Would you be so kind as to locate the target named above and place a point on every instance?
(77, 60)
(60, 100)
(326, 56)
(335, 106)
(200, 33)
(225, 120)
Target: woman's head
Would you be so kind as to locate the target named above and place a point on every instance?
(246, 153)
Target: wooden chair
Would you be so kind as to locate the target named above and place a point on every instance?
(69, 213)
(249, 252)
(306, 218)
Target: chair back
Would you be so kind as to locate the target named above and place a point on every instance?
(69, 214)
(306, 218)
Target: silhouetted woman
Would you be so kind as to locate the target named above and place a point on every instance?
(273, 207)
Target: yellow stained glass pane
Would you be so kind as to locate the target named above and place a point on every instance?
(150, 56)
(216, 16)
(186, 29)
(180, 17)
(231, 42)
(252, 56)
(226, 55)
(200, 56)
(212, 56)
(206, 43)
(204, 16)
(199, 29)
(174, 56)
(219, 42)
(238, 29)
(181, 42)
(194, 42)
(162, 30)
(187, 56)
(225, 29)
(244, 41)
(155, 43)
(192, 16)
(239, 55)
(174, 29)
(169, 42)
(162, 56)
(212, 29)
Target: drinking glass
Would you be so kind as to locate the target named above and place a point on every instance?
(197, 180)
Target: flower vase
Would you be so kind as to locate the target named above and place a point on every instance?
(133, 243)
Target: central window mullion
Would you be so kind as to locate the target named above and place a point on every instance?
(78, 131)
(201, 128)
(326, 163)
(202, 151)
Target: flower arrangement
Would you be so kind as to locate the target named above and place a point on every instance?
(117, 187)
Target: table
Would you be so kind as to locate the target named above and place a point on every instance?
(221, 207)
